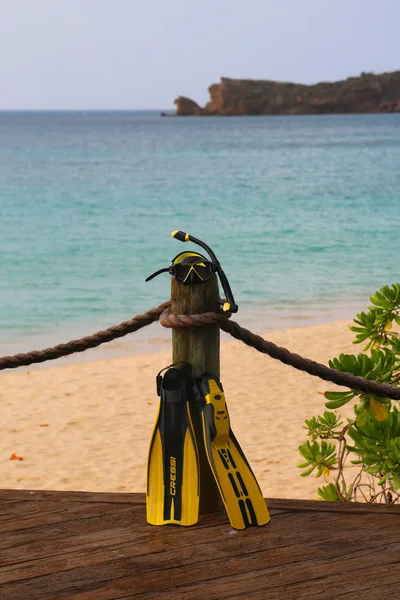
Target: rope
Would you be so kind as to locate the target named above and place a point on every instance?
(91, 341)
(311, 367)
(167, 319)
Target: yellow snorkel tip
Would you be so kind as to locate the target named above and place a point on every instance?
(180, 235)
(226, 307)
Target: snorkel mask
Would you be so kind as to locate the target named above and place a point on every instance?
(188, 267)
(193, 268)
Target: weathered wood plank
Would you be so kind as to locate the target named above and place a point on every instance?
(129, 498)
(342, 508)
(106, 551)
(60, 496)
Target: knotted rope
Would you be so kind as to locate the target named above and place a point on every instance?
(167, 319)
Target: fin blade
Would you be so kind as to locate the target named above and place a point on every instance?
(173, 472)
(236, 481)
(155, 482)
(190, 484)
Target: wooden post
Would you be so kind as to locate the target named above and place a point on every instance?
(200, 347)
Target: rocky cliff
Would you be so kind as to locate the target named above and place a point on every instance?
(368, 93)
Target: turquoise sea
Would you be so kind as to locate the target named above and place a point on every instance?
(302, 212)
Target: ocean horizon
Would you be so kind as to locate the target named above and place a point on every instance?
(302, 212)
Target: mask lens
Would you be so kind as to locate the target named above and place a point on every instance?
(182, 272)
(192, 273)
(203, 270)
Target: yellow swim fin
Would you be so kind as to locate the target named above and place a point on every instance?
(172, 468)
(237, 484)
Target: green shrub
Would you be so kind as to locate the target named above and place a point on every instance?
(370, 440)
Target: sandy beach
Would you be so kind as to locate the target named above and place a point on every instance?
(86, 426)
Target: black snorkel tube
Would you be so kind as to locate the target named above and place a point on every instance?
(229, 305)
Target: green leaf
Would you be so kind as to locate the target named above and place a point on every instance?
(372, 470)
(338, 399)
(306, 473)
(384, 478)
(360, 337)
(379, 300)
(337, 395)
(303, 465)
(333, 404)
(396, 482)
(329, 493)
(362, 417)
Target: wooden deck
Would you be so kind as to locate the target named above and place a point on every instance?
(92, 546)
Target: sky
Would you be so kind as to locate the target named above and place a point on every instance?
(135, 54)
